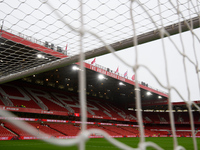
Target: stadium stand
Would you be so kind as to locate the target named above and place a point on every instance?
(5, 132)
(44, 103)
(1, 101)
(46, 129)
(17, 97)
(32, 98)
(15, 130)
(65, 129)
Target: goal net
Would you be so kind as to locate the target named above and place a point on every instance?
(79, 30)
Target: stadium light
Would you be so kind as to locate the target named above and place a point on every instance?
(40, 56)
(121, 83)
(75, 68)
(149, 93)
(101, 77)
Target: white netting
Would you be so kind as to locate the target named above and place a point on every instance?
(88, 25)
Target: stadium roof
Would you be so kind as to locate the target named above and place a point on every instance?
(19, 53)
(22, 53)
(110, 87)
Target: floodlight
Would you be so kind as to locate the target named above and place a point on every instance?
(149, 93)
(101, 77)
(75, 68)
(121, 83)
(40, 56)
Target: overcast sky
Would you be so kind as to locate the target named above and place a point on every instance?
(151, 55)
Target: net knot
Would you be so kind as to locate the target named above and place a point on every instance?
(84, 135)
(189, 103)
(135, 67)
(162, 31)
(197, 69)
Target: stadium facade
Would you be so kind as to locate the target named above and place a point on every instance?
(49, 101)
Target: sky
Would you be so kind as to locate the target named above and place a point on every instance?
(151, 55)
(111, 22)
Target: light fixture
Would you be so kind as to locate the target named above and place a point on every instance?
(159, 97)
(40, 56)
(149, 93)
(101, 77)
(121, 83)
(75, 68)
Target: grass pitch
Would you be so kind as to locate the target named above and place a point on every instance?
(96, 144)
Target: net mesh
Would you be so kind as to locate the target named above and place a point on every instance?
(79, 30)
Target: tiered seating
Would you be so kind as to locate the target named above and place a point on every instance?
(17, 102)
(198, 134)
(67, 129)
(76, 110)
(183, 133)
(72, 130)
(4, 132)
(165, 115)
(185, 116)
(92, 126)
(132, 131)
(1, 103)
(113, 112)
(44, 128)
(115, 131)
(129, 114)
(108, 130)
(162, 132)
(196, 116)
(119, 131)
(150, 133)
(159, 130)
(28, 98)
(98, 112)
(124, 131)
(152, 116)
(27, 104)
(51, 105)
(16, 129)
(181, 117)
